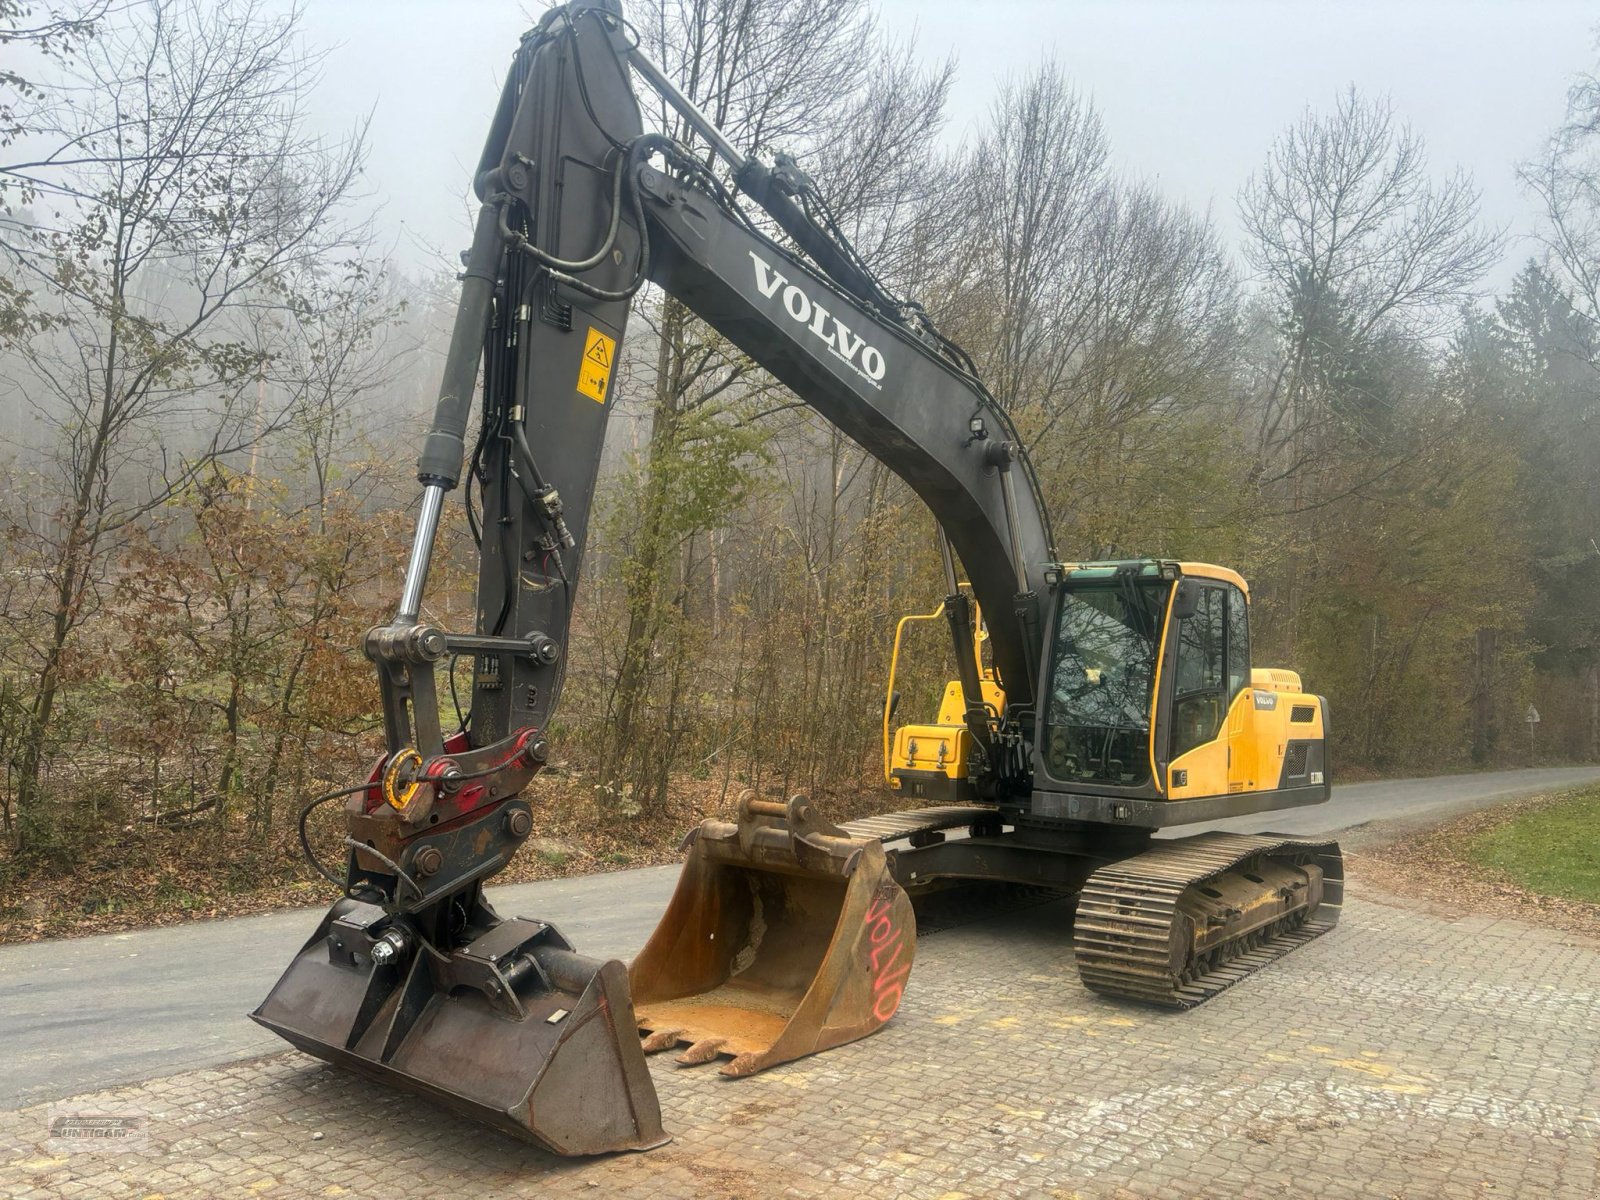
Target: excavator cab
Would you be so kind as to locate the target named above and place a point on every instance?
(1154, 716)
(1151, 694)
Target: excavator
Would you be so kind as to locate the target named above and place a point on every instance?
(1095, 703)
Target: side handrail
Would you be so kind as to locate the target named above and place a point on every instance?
(894, 666)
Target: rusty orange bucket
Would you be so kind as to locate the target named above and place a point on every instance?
(785, 936)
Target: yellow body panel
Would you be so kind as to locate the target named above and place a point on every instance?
(941, 748)
(1247, 755)
(953, 708)
(944, 745)
(1206, 765)
(1275, 679)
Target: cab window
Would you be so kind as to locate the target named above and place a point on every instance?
(1200, 672)
(1238, 643)
(1097, 721)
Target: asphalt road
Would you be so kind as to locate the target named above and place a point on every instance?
(84, 1013)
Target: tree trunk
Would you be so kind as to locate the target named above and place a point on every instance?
(35, 826)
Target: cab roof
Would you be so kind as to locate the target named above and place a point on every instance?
(1154, 568)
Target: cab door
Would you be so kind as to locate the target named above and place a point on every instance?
(1209, 707)
(1243, 752)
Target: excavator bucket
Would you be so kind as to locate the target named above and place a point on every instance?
(513, 1029)
(785, 936)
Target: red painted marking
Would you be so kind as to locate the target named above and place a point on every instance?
(897, 945)
(888, 983)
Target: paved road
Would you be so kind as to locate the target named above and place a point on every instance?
(91, 1012)
(1406, 1054)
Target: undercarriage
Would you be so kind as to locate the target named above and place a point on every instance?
(1170, 922)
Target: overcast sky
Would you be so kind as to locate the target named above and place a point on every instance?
(1192, 91)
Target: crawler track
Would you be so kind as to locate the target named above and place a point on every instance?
(889, 827)
(1135, 933)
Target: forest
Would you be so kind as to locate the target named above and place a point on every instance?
(214, 382)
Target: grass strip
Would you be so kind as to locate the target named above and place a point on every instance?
(1553, 849)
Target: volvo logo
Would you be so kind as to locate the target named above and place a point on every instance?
(863, 358)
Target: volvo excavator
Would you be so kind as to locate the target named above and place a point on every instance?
(1095, 704)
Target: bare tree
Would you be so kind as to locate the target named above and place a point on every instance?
(329, 352)
(1141, 355)
(1097, 309)
(1029, 190)
(1352, 242)
(1363, 259)
(51, 35)
(765, 71)
(185, 193)
(1565, 179)
(877, 167)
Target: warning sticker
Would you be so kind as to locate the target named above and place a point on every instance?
(594, 372)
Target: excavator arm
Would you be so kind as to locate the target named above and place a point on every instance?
(818, 321)
(579, 209)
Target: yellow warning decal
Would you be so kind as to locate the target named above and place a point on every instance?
(594, 372)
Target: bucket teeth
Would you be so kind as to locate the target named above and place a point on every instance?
(745, 1064)
(702, 1051)
(661, 1039)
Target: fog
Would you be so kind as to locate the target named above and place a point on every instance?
(1192, 94)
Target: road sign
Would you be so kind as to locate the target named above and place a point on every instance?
(1533, 715)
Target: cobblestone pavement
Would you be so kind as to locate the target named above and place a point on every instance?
(1403, 1054)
